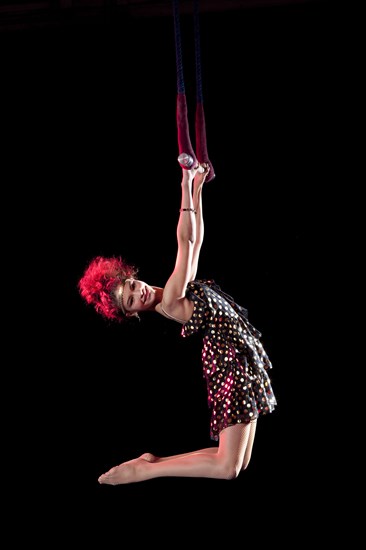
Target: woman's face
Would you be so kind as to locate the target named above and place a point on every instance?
(137, 296)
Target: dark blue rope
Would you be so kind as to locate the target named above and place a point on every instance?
(178, 49)
(197, 44)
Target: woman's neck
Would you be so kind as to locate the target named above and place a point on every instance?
(158, 294)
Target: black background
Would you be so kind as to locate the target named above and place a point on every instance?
(92, 149)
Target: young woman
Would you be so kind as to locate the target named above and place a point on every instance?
(234, 362)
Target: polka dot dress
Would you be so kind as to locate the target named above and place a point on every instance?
(235, 364)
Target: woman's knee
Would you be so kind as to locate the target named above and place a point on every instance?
(246, 459)
(230, 470)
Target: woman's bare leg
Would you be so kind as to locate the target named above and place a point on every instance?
(249, 448)
(153, 458)
(224, 462)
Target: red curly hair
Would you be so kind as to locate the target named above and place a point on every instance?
(99, 281)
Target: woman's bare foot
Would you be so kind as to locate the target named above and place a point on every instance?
(127, 472)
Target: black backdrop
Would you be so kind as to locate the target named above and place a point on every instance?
(92, 113)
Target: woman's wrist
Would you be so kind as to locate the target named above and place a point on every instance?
(188, 210)
(187, 176)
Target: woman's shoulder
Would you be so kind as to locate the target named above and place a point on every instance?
(201, 283)
(204, 287)
(198, 289)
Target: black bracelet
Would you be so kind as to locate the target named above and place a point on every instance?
(188, 210)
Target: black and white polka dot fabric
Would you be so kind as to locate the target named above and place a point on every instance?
(235, 364)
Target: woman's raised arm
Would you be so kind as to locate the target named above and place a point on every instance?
(189, 239)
